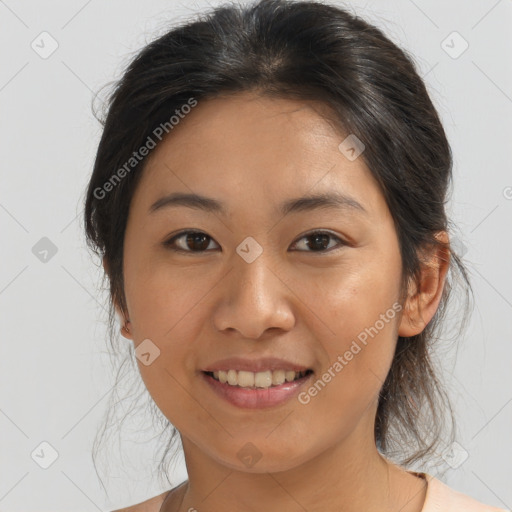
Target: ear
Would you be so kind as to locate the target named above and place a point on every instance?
(423, 299)
(123, 321)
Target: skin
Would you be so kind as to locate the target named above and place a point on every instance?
(252, 153)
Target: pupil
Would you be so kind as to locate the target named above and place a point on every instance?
(316, 239)
(197, 238)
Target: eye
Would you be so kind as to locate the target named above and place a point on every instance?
(187, 239)
(318, 241)
(197, 241)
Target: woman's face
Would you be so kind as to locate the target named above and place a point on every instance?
(262, 282)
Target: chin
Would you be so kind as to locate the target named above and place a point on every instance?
(251, 459)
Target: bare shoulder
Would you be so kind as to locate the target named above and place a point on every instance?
(151, 505)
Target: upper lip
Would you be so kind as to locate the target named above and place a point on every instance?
(254, 365)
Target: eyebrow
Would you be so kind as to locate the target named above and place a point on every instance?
(326, 200)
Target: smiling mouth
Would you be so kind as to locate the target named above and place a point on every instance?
(259, 380)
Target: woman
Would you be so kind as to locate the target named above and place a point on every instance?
(268, 200)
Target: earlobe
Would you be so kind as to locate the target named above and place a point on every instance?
(423, 300)
(125, 330)
(124, 323)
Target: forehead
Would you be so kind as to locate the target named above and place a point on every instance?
(251, 149)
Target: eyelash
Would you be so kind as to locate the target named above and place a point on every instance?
(169, 243)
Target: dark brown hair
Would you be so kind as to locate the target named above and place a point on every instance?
(310, 51)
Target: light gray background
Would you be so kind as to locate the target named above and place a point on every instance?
(54, 379)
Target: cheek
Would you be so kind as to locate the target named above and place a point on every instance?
(165, 308)
(360, 309)
(356, 360)
(160, 295)
(169, 308)
(353, 296)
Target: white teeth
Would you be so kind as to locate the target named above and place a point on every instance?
(264, 379)
(245, 379)
(278, 377)
(232, 377)
(289, 375)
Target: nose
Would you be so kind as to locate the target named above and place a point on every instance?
(254, 299)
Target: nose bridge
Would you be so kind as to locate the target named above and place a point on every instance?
(255, 298)
(253, 276)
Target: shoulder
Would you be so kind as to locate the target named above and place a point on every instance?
(151, 505)
(440, 498)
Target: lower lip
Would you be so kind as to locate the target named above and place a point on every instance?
(256, 398)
